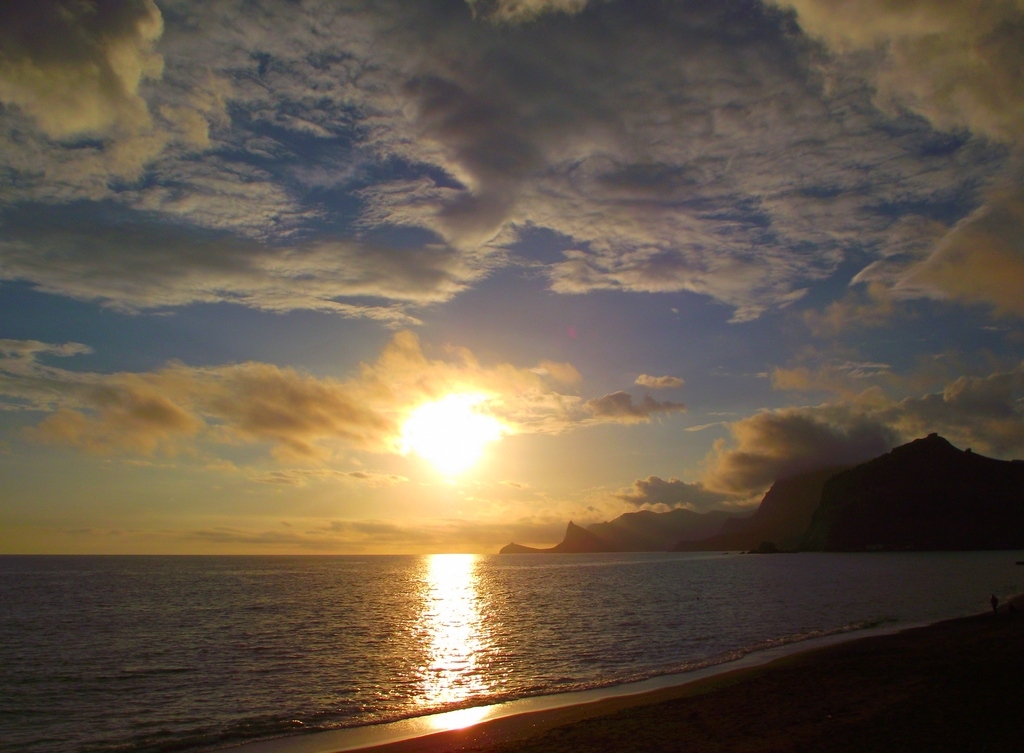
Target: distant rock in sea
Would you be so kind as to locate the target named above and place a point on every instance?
(782, 517)
(925, 495)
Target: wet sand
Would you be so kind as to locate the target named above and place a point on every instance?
(953, 686)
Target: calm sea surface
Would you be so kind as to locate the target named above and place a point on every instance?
(195, 653)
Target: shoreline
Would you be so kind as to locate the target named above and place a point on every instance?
(486, 728)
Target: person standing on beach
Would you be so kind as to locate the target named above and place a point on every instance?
(995, 604)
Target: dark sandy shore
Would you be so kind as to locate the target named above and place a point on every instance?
(952, 686)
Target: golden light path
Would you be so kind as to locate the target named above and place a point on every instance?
(455, 632)
(450, 433)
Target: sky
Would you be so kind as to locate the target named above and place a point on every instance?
(607, 255)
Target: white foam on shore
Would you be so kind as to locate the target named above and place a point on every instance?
(358, 738)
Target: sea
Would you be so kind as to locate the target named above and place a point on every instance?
(195, 653)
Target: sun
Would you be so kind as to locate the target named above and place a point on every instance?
(450, 433)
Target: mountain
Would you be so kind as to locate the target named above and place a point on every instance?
(577, 541)
(643, 531)
(925, 495)
(782, 517)
(649, 531)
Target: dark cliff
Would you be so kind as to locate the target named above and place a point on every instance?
(782, 518)
(925, 495)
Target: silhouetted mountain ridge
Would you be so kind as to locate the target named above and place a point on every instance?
(577, 541)
(924, 495)
(782, 517)
(649, 531)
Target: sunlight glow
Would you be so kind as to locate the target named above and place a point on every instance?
(453, 624)
(450, 433)
(461, 718)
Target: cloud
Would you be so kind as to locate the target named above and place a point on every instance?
(983, 412)
(778, 444)
(523, 10)
(133, 266)
(863, 306)
(297, 416)
(88, 103)
(719, 161)
(981, 260)
(302, 476)
(125, 420)
(565, 373)
(29, 350)
(659, 382)
(986, 413)
(654, 491)
(747, 188)
(842, 377)
(76, 67)
(620, 406)
(294, 413)
(172, 408)
(956, 63)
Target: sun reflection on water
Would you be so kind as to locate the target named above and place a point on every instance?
(453, 627)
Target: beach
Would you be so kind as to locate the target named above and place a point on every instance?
(956, 685)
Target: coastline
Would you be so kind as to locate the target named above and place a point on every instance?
(590, 718)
